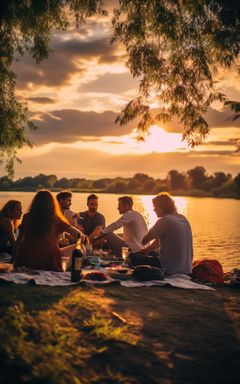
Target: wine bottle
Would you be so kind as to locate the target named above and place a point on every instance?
(76, 267)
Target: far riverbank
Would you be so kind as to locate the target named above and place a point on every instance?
(180, 192)
(195, 182)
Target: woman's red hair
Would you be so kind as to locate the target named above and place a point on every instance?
(43, 213)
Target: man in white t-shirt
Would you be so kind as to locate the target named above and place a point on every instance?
(134, 228)
(173, 233)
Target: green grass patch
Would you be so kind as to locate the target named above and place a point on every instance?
(54, 345)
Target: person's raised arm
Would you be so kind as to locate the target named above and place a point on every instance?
(76, 233)
(97, 230)
(124, 219)
(81, 228)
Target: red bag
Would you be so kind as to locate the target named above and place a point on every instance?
(208, 271)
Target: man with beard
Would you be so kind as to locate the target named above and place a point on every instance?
(64, 199)
(91, 222)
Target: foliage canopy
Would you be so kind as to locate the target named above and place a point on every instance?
(176, 46)
(26, 26)
(173, 46)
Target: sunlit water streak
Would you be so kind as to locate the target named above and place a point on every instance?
(215, 222)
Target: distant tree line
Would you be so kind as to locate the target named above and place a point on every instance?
(194, 182)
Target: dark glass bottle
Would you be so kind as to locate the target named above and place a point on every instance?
(76, 267)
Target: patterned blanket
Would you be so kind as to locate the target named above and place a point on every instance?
(63, 279)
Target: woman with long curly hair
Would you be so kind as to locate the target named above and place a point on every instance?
(9, 215)
(37, 243)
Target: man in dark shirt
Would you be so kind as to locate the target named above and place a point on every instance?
(91, 222)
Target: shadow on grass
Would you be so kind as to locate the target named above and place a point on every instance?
(116, 335)
(35, 298)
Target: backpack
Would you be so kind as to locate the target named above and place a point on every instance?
(148, 273)
(208, 271)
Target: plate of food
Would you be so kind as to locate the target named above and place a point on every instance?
(120, 273)
(120, 276)
(119, 268)
(96, 276)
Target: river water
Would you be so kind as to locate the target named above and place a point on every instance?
(215, 222)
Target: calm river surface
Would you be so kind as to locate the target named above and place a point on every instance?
(215, 222)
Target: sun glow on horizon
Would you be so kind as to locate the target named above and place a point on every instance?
(158, 140)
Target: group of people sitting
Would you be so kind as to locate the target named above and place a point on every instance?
(40, 244)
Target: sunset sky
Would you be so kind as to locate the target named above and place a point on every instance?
(74, 97)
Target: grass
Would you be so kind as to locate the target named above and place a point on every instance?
(118, 335)
(53, 343)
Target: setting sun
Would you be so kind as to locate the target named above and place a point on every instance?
(159, 140)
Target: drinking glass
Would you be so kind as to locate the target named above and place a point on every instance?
(124, 254)
(65, 262)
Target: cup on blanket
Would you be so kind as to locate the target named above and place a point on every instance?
(65, 263)
(125, 253)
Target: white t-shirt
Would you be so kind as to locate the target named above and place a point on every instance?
(134, 229)
(175, 235)
(70, 217)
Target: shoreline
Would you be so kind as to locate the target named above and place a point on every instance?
(181, 193)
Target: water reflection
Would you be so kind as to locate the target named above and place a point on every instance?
(144, 203)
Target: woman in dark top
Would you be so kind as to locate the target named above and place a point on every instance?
(37, 243)
(9, 216)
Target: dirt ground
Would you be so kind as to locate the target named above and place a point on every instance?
(187, 336)
(172, 335)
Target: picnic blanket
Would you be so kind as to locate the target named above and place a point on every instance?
(50, 278)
